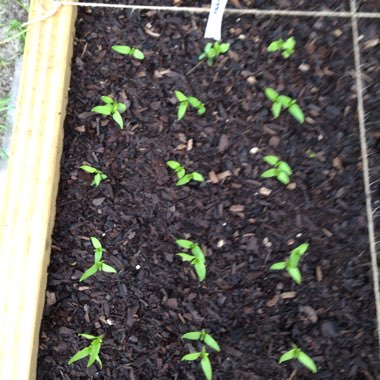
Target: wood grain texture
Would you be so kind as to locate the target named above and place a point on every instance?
(27, 215)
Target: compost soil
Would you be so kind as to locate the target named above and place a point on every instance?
(243, 223)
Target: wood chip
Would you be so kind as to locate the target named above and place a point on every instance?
(223, 175)
(50, 298)
(272, 302)
(213, 177)
(327, 232)
(265, 191)
(223, 143)
(318, 273)
(287, 295)
(189, 145)
(236, 208)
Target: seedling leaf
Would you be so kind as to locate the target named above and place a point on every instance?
(173, 164)
(119, 120)
(296, 112)
(283, 166)
(271, 94)
(192, 335)
(271, 160)
(192, 356)
(211, 342)
(269, 173)
(89, 169)
(80, 355)
(295, 274)
(276, 109)
(94, 352)
(107, 268)
(107, 99)
(278, 266)
(103, 110)
(88, 336)
(138, 54)
(198, 253)
(288, 355)
(185, 256)
(194, 102)
(197, 177)
(200, 269)
(187, 244)
(275, 45)
(301, 249)
(184, 180)
(96, 243)
(89, 272)
(180, 96)
(122, 49)
(182, 110)
(283, 177)
(307, 361)
(206, 367)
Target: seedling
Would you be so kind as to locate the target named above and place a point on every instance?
(280, 102)
(287, 46)
(111, 108)
(202, 336)
(281, 170)
(297, 354)
(99, 265)
(197, 258)
(205, 361)
(99, 176)
(184, 178)
(128, 50)
(291, 264)
(92, 350)
(185, 101)
(213, 50)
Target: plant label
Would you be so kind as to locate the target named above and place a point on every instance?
(214, 22)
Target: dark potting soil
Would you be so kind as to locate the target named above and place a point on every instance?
(243, 223)
(305, 5)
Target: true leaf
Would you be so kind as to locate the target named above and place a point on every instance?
(201, 110)
(184, 180)
(96, 243)
(173, 164)
(197, 252)
(211, 342)
(194, 102)
(206, 367)
(107, 99)
(193, 335)
(192, 356)
(284, 100)
(276, 109)
(180, 173)
(96, 180)
(224, 47)
(301, 249)
(180, 96)
(88, 336)
(95, 349)
(121, 107)
(275, 45)
(285, 167)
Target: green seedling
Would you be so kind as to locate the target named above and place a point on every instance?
(197, 258)
(184, 178)
(92, 351)
(111, 108)
(204, 360)
(287, 46)
(99, 175)
(202, 336)
(291, 264)
(282, 102)
(99, 265)
(297, 354)
(185, 101)
(14, 30)
(213, 50)
(281, 170)
(128, 50)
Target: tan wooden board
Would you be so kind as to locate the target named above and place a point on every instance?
(28, 211)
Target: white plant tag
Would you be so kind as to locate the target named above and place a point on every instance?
(214, 22)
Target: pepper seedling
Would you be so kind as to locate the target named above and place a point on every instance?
(128, 50)
(204, 360)
(92, 350)
(297, 354)
(111, 108)
(197, 258)
(291, 264)
(99, 265)
(184, 178)
(281, 170)
(99, 175)
(282, 102)
(287, 46)
(213, 50)
(204, 337)
(185, 101)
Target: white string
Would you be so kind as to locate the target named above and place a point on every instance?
(364, 156)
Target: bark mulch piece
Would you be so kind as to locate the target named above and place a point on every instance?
(138, 213)
(305, 5)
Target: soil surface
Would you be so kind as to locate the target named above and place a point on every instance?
(308, 5)
(243, 223)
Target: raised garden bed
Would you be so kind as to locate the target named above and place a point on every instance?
(243, 223)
